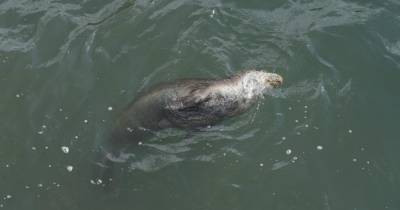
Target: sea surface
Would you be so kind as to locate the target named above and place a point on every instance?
(328, 139)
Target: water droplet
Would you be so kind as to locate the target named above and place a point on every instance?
(65, 149)
(288, 151)
(212, 13)
(70, 168)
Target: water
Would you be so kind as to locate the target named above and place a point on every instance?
(327, 140)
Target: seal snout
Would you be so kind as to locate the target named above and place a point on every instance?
(275, 80)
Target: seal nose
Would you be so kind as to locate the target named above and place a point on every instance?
(275, 80)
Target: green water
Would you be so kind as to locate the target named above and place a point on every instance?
(327, 140)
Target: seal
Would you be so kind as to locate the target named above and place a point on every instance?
(192, 103)
(188, 104)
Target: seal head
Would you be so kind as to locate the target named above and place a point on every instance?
(208, 104)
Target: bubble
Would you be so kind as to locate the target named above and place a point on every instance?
(306, 125)
(44, 126)
(284, 138)
(33, 148)
(354, 159)
(18, 95)
(40, 132)
(305, 107)
(69, 168)
(96, 182)
(86, 121)
(65, 149)
(261, 164)
(319, 147)
(288, 151)
(8, 196)
(140, 143)
(290, 108)
(110, 108)
(350, 131)
(296, 121)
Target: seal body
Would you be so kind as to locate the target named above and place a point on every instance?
(192, 103)
(187, 104)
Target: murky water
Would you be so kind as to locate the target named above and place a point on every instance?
(327, 140)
